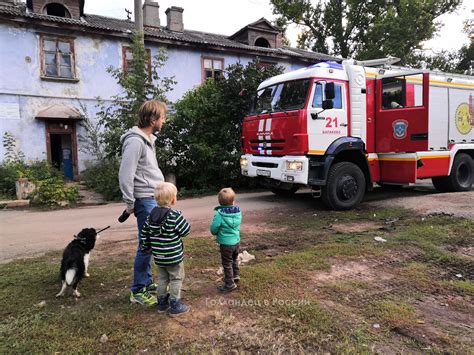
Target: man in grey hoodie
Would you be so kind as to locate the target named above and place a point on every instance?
(138, 176)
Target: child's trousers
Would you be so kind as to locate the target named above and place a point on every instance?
(229, 254)
(173, 276)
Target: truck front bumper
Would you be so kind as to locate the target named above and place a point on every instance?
(276, 168)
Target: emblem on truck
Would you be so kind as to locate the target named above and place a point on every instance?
(464, 121)
(400, 129)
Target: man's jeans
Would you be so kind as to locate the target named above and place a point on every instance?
(229, 254)
(142, 267)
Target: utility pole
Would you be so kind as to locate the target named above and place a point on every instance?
(138, 16)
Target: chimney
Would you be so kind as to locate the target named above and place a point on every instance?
(151, 14)
(174, 17)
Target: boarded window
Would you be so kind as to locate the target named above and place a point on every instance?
(58, 57)
(212, 68)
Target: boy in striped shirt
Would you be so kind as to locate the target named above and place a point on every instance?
(162, 235)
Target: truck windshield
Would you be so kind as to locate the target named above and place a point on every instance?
(290, 95)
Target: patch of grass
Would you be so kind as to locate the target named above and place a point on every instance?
(392, 313)
(463, 287)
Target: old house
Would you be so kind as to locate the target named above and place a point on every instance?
(54, 57)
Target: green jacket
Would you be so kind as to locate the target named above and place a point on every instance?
(226, 225)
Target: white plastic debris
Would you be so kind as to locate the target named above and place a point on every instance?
(459, 276)
(220, 271)
(380, 239)
(245, 257)
(41, 304)
(376, 326)
(104, 338)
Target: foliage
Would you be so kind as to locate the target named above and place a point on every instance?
(363, 29)
(53, 192)
(140, 82)
(103, 178)
(201, 143)
(92, 142)
(12, 154)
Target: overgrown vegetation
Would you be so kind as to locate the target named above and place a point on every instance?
(358, 296)
(50, 189)
(201, 142)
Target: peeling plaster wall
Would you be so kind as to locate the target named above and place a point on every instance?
(20, 81)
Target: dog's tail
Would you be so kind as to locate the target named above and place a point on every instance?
(70, 276)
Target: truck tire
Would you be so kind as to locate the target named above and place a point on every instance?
(345, 186)
(285, 192)
(461, 177)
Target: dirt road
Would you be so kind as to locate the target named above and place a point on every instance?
(29, 232)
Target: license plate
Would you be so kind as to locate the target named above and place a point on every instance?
(261, 172)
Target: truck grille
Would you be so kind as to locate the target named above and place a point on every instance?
(267, 144)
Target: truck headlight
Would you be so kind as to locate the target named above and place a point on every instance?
(294, 165)
(244, 162)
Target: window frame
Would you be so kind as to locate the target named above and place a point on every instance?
(203, 69)
(43, 52)
(404, 92)
(126, 48)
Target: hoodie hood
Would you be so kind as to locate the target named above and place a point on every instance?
(135, 131)
(231, 216)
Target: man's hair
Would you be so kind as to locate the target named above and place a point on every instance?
(226, 196)
(165, 192)
(149, 112)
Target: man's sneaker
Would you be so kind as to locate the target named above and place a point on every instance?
(177, 308)
(152, 287)
(237, 279)
(143, 297)
(224, 288)
(163, 303)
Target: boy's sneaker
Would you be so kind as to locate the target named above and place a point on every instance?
(163, 303)
(152, 287)
(177, 308)
(143, 297)
(224, 288)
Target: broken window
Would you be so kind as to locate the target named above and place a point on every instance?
(58, 58)
(213, 68)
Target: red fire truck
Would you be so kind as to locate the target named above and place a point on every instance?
(341, 128)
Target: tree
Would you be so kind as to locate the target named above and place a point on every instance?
(140, 82)
(363, 29)
(202, 140)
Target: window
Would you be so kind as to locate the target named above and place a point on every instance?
(55, 9)
(212, 68)
(319, 93)
(402, 91)
(290, 95)
(58, 58)
(127, 57)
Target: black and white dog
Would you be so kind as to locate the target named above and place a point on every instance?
(76, 260)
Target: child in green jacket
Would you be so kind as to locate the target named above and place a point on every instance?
(226, 227)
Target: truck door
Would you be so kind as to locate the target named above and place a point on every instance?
(325, 126)
(401, 118)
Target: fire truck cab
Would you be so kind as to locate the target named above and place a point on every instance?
(341, 128)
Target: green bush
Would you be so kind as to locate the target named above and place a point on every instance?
(9, 173)
(52, 192)
(103, 178)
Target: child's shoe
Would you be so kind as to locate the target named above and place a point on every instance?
(163, 303)
(224, 288)
(177, 308)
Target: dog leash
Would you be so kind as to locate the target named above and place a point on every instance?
(123, 217)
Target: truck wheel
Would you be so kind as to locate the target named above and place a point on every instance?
(461, 177)
(345, 186)
(285, 192)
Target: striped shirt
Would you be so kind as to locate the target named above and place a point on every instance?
(163, 231)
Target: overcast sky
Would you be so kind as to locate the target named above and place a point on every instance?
(228, 16)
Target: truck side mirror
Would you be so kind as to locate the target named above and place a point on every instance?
(328, 104)
(330, 91)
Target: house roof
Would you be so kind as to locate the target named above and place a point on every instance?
(162, 34)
